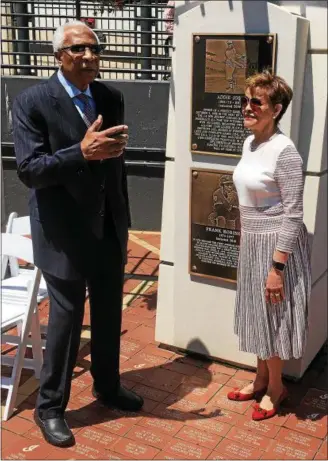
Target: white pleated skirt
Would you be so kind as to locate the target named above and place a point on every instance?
(268, 329)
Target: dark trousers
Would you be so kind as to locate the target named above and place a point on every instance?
(67, 298)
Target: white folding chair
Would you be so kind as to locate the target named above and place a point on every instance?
(20, 309)
(18, 275)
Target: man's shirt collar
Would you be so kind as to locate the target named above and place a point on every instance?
(70, 88)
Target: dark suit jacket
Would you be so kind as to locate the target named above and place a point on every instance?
(73, 202)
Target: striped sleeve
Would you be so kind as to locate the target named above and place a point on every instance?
(289, 177)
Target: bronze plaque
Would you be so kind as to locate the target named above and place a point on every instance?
(214, 226)
(221, 64)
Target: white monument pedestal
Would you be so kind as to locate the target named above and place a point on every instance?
(193, 313)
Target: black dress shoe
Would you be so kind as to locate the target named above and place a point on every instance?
(123, 399)
(55, 431)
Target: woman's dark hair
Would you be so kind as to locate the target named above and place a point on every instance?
(277, 88)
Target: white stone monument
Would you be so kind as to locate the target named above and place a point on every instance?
(196, 314)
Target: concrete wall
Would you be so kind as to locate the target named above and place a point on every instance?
(146, 115)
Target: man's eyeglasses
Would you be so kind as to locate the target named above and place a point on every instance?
(80, 49)
(255, 103)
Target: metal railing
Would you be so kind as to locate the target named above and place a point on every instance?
(138, 46)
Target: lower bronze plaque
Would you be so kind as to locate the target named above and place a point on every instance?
(214, 226)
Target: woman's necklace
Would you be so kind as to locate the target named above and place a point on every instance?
(254, 145)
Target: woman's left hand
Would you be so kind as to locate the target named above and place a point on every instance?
(274, 289)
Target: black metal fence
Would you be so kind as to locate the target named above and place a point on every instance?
(138, 46)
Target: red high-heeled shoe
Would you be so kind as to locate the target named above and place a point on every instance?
(259, 414)
(237, 396)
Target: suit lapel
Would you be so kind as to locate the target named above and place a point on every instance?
(103, 106)
(65, 107)
(99, 101)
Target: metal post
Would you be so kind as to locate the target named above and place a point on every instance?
(145, 26)
(77, 9)
(22, 34)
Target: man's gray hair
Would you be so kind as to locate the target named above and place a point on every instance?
(58, 38)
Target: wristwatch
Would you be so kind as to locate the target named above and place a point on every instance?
(278, 266)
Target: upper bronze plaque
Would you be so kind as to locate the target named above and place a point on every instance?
(221, 64)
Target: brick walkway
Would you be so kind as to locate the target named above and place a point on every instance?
(186, 413)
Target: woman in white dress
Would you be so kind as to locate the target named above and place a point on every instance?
(274, 280)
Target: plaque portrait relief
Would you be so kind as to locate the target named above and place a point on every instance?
(221, 65)
(225, 213)
(214, 226)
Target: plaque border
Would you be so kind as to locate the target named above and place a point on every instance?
(201, 34)
(190, 272)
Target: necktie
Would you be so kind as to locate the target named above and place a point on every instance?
(88, 113)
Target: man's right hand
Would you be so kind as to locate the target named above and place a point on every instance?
(100, 145)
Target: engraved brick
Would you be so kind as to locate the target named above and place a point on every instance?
(150, 392)
(114, 456)
(119, 426)
(308, 421)
(130, 347)
(135, 450)
(164, 425)
(198, 390)
(245, 375)
(211, 376)
(177, 403)
(142, 333)
(78, 386)
(210, 425)
(154, 360)
(179, 367)
(249, 438)
(261, 427)
(165, 455)
(126, 383)
(305, 441)
(216, 455)
(17, 425)
(235, 450)
(165, 380)
(324, 448)
(280, 450)
(221, 400)
(95, 437)
(187, 450)
(239, 383)
(79, 451)
(150, 349)
(8, 439)
(316, 399)
(164, 412)
(135, 365)
(26, 411)
(149, 405)
(195, 435)
(219, 368)
(152, 437)
(223, 415)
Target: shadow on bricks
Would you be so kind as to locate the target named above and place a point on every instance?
(188, 387)
(164, 387)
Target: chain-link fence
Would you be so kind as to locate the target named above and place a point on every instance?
(137, 43)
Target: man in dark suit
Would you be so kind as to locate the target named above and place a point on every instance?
(69, 140)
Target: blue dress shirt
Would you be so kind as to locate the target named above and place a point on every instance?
(73, 92)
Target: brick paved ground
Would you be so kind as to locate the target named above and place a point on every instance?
(186, 413)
